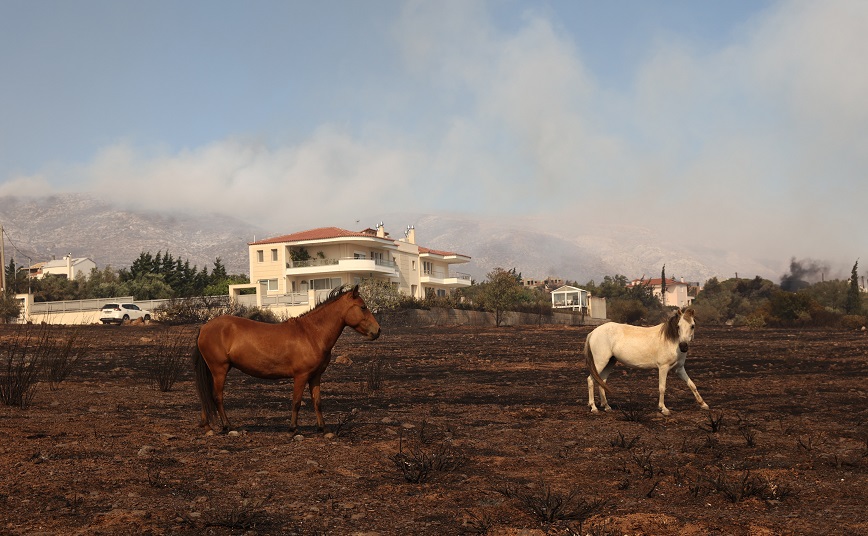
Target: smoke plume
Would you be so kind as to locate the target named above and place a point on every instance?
(802, 274)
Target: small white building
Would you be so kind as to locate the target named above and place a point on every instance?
(578, 299)
(68, 267)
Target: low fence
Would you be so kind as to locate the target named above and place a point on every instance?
(290, 305)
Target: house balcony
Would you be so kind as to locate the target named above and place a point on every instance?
(343, 265)
(445, 279)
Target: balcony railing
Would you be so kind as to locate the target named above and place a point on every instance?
(443, 274)
(315, 263)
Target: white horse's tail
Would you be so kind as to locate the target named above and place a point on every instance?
(592, 367)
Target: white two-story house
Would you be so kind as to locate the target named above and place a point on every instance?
(322, 259)
(676, 291)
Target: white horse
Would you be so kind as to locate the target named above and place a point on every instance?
(663, 346)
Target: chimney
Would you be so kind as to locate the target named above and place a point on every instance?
(381, 230)
(411, 234)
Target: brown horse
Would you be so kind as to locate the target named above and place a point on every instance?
(299, 348)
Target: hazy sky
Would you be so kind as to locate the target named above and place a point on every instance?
(736, 124)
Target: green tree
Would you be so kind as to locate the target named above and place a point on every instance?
(9, 307)
(16, 278)
(502, 292)
(663, 286)
(149, 287)
(853, 304)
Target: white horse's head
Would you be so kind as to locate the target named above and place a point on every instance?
(680, 328)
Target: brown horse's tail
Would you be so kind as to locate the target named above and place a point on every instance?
(204, 386)
(592, 367)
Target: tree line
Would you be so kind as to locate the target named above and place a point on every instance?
(149, 277)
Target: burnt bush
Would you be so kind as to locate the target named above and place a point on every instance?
(170, 361)
(199, 310)
(23, 357)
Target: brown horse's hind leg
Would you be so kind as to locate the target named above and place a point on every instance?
(297, 391)
(219, 381)
(315, 395)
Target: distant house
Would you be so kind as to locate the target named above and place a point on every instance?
(677, 294)
(68, 267)
(578, 299)
(324, 258)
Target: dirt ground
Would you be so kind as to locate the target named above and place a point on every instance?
(492, 422)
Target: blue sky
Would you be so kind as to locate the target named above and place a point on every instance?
(741, 125)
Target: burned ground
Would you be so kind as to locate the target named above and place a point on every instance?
(452, 430)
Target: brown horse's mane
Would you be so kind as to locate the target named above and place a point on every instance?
(336, 293)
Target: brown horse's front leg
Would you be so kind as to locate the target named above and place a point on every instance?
(297, 391)
(315, 395)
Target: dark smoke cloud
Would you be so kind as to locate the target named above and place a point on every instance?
(802, 274)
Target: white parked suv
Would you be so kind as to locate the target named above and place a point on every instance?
(117, 313)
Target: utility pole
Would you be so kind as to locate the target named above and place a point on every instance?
(2, 261)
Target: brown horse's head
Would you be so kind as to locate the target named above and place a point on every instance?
(359, 317)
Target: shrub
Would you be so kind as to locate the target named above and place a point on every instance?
(61, 358)
(9, 307)
(549, 505)
(165, 368)
(853, 321)
(22, 364)
(626, 311)
(199, 310)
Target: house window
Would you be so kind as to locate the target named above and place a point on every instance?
(427, 268)
(260, 256)
(414, 265)
(272, 285)
(274, 255)
(326, 283)
(358, 255)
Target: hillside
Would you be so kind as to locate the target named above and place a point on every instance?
(43, 228)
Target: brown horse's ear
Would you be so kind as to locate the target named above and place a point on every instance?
(356, 291)
(689, 312)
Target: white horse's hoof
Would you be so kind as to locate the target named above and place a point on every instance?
(664, 411)
(595, 410)
(607, 408)
(704, 406)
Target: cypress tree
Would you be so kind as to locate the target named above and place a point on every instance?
(853, 305)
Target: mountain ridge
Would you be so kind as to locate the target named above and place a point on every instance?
(42, 228)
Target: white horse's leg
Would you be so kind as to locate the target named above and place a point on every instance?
(662, 371)
(683, 375)
(591, 403)
(604, 401)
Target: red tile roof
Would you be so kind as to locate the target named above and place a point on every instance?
(437, 252)
(321, 233)
(656, 282)
(324, 233)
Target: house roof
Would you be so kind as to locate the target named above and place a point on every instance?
(322, 233)
(61, 263)
(440, 253)
(657, 282)
(568, 288)
(326, 233)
